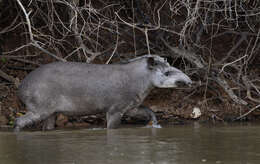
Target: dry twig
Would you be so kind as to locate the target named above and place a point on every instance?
(33, 42)
(9, 78)
(247, 113)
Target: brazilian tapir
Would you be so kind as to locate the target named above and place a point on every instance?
(74, 88)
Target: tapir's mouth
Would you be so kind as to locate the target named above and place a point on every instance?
(182, 84)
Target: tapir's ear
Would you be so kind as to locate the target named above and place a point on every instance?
(151, 62)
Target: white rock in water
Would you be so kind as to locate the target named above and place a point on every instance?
(196, 113)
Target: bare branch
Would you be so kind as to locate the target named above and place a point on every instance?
(247, 113)
(9, 78)
(229, 91)
(190, 56)
(248, 87)
(227, 64)
(117, 38)
(243, 37)
(33, 42)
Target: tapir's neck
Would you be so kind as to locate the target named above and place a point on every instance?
(140, 78)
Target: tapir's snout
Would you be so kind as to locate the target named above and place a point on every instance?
(176, 78)
(183, 81)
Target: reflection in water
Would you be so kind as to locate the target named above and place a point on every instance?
(178, 144)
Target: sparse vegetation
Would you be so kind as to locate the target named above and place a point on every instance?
(215, 42)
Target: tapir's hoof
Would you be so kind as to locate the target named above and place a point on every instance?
(17, 129)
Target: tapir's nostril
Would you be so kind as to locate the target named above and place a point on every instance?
(180, 83)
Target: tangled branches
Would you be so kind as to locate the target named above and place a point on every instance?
(216, 42)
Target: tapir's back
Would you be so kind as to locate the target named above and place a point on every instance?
(74, 79)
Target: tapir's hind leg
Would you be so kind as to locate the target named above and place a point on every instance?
(25, 120)
(49, 124)
(28, 119)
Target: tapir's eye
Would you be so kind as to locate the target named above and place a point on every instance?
(167, 73)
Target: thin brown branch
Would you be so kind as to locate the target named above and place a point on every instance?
(248, 88)
(227, 64)
(147, 41)
(223, 83)
(11, 27)
(116, 46)
(243, 37)
(190, 56)
(33, 42)
(9, 78)
(247, 113)
(25, 61)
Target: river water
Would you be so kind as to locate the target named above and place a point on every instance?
(182, 144)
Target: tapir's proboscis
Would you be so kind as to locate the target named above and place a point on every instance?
(74, 88)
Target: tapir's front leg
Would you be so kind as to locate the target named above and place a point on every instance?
(142, 113)
(150, 113)
(113, 120)
(49, 124)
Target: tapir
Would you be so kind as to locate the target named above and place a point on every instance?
(76, 88)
